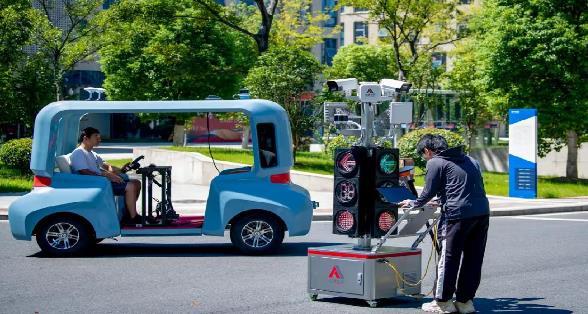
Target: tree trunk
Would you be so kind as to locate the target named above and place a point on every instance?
(572, 162)
(245, 138)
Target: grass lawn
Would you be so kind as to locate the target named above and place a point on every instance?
(305, 161)
(495, 183)
(547, 187)
(12, 180)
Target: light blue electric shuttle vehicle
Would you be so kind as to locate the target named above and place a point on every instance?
(68, 213)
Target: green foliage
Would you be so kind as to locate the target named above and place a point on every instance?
(339, 141)
(281, 75)
(25, 78)
(535, 57)
(17, 153)
(467, 78)
(408, 23)
(298, 26)
(151, 54)
(408, 143)
(364, 62)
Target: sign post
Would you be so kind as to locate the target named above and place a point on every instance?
(522, 153)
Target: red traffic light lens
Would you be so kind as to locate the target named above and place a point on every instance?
(386, 220)
(345, 221)
(345, 191)
(346, 163)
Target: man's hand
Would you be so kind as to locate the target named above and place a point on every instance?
(405, 203)
(113, 177)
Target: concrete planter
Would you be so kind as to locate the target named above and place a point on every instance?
(195, 168)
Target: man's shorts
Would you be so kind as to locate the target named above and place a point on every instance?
(119, 188)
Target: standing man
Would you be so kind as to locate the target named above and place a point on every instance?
(85, 161)
(463, 227)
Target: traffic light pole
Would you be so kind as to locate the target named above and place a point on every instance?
(367, 128)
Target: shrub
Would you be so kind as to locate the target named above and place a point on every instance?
(339, 141)
(17, 153)
(408, 143)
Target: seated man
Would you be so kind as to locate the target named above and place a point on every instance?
(85, 161)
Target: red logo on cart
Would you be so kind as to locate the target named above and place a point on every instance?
(334, 274)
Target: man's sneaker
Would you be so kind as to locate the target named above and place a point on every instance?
(439, 307)
(465, 308)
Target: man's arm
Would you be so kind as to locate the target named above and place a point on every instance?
(433, 179)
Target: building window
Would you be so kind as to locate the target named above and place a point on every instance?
(462, 30)
(342, 35)
(266, 136)
(360, 9)
(329, 50)
(465, 1)
(329, 9)
(383, 32)
(438, 59)
(360, 30)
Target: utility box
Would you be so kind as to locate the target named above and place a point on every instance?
(343, 271)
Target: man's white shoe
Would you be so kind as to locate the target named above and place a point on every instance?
(439, 307)
(465, 308)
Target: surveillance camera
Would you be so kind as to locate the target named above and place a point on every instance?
(396, 85)
(345, 85)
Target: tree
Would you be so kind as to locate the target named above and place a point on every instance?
(364, 62)
(230, 18)
(151, 54)
(535, 54)
(298, 26)
(281, 75)
(415, 27)
(24, 77)
(66, 40)
(467, 79)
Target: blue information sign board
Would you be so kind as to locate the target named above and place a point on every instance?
(522, 153)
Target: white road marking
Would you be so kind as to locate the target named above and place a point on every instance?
(564, 213)
(545, 218)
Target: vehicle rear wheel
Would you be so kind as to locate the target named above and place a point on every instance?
(257, 234)
(64, 236)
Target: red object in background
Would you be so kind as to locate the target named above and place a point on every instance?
(220, 131)
(306, 96)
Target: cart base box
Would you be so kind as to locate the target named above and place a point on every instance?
(343, 271)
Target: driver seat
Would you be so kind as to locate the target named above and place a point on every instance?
(63, 163)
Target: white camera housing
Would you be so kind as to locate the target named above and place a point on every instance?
(345, 85)
(394, 86)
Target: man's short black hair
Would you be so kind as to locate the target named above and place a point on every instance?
(434, 143)
(88, 132)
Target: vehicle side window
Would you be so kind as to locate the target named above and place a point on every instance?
(266, 137)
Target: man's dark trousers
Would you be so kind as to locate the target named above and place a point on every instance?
(456, 237)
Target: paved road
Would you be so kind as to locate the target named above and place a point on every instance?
(534, 264)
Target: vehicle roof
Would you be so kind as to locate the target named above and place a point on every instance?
(57, 124)
(247, 106)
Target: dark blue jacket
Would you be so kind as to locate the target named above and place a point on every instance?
(457, 180)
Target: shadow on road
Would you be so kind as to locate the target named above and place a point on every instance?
(186, 250)
(398, 303)
(515, 305)
(483, 305)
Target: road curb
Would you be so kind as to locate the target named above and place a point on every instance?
(495, 213)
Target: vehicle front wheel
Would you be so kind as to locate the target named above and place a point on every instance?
(257, 234)
(64, 236)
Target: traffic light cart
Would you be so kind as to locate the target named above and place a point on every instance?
(379, 273)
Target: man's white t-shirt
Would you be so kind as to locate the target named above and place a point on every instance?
(82, 159)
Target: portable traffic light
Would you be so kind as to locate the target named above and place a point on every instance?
(384, 214)
(352, 173)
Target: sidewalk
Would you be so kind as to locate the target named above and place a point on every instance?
(191, 199)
